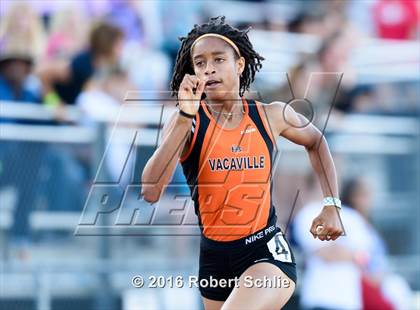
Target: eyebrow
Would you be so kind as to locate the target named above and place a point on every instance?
(213, 53)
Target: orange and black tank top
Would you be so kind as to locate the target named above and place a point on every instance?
(229, 175)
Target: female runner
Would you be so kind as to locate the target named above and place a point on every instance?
(225, 144)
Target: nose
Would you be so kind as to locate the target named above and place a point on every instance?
(209, 69)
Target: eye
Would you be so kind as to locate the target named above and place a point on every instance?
(218, 59)
(199, 63)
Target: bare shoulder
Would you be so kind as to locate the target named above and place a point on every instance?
(275, 107)
(274, 114)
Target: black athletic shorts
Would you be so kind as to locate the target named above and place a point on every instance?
(229, 263)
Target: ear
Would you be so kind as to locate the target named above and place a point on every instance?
(241, 65)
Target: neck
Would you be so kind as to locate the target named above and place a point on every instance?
(102, 62)
(226, 105)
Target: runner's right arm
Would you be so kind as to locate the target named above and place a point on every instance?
(159, 169)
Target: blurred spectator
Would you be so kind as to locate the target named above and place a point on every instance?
(395, 19)
(360, 99)
(354, 267)
(63, 81)
(101, 100)
(317, 78)
(333, 61)
(67, 34)
(142, 37)
(357, 194)
(22, 24)
(331, 278)
(321, 18)
(16, 63)
(309, 22)
(31, 168)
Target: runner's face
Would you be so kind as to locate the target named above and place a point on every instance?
(216, 63)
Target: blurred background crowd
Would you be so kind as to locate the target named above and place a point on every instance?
(67, 68)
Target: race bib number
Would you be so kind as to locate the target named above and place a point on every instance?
(279, 247)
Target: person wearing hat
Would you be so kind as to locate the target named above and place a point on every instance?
(16, 65)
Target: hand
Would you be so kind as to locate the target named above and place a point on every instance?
(189, 94)
(60, 113)
(327, 225)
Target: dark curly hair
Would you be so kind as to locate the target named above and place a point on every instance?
(217, 25)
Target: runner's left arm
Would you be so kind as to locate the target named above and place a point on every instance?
(298, 129)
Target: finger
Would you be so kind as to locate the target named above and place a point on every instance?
(322, 237)
(335, 237)
(337, 234)
(189, 84)
(194, 80)
(200, 89)
(313, 230)
(332, 233)
(323, 233)
(186, 87)
(316, 222)
(185, 78)
(329, 235)
(196, 83)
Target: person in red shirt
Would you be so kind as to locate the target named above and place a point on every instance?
(396, 19)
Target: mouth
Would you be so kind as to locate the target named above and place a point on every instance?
(212, 83)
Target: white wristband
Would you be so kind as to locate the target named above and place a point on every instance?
(331, 201)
